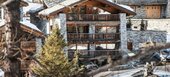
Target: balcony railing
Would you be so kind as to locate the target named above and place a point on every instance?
(92, 54)
(80, 37)
(92, 17)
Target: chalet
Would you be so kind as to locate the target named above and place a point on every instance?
(155, 15)
(93, 27)
(26, 42)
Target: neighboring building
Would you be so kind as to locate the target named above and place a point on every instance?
(155, 13)
(94, 28)
(28, 39)
(149, 9)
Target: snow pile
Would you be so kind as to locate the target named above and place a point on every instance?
(32, 7)
(30, 25)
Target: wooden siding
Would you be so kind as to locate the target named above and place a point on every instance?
(29, 46)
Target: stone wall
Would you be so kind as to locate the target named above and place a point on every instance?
(123, 32)
(140, 2)
(168, 9)
(153, 24)
(140, 12)
(138, 37)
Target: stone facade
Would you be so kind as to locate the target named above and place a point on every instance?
(139, 37)
(168, 9)
(140, 6)
(63, 28)
(141, 2)
(152, 24)
(123, 31)
(140, 11)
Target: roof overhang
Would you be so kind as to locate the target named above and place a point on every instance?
(28, 29)
(69, 3)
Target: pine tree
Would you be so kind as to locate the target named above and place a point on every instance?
(76, 68)
(53, 62)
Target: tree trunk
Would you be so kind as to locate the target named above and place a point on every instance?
(12, 17)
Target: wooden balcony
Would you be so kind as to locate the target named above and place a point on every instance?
(93, 54)
(92, 17)
(74, 38)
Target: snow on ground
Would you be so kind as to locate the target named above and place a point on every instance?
(161, 71)
(127, 73)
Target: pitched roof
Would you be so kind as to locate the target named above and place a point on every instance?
(60, 6)
(50, 3)
(27, 27)
(32, 8)
(30, 28)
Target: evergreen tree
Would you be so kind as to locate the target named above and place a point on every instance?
(52, 61)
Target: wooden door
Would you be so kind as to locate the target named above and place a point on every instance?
(153, 12)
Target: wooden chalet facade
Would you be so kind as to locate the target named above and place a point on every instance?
(93, 27)
(26, 43)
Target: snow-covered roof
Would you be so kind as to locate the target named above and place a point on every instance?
(66, 3)
(30, 25)
(124, 6)
(50, 3)
(1, 73)
(58, 7)
(32, 7)
(2, 23)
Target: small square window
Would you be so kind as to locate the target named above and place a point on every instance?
(135, 27)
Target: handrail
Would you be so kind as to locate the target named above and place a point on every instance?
(95, 36)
